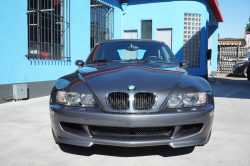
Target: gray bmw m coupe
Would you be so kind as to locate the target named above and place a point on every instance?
(131, 93)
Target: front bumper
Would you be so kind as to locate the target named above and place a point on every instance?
(165, 118)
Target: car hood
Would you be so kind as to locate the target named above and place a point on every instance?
(117, 77)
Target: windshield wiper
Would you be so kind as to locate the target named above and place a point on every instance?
(137, 60)
(163, 62)
(96, 61)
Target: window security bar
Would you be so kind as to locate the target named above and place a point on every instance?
(101, 22)
(48, 29)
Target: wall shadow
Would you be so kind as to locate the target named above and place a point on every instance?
(164, 151)
(203, 43)
(137, 2)
(115, 3)
(50, 62)
(231, 86)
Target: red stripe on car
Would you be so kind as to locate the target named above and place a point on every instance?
(130, 66)
(95, 52)
(76, 84)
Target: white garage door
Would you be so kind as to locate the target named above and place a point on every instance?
(130, 34)
(165, 35)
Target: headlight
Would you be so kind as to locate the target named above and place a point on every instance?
(75, 99)
(187, 100)
(87, 100)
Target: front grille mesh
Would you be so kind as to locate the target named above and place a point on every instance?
(144, 101)
(118, 100)
(131, 132)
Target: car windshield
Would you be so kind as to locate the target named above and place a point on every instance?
(137, 51)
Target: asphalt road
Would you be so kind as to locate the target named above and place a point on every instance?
(26, 139)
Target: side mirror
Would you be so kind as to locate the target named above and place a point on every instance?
(184, 64)
(79, 63)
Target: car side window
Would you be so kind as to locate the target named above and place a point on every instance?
(141, 53)
(101, 54)
(160, 54)
(120, 52)
(166, 55)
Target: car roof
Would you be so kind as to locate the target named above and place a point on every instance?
(135, 40)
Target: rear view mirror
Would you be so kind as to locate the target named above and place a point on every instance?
(79, 63)
(131, 48)
(184, 64)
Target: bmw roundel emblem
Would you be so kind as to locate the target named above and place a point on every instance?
(131, 87)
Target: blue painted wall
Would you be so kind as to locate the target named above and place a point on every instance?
(170, 14)
(16, 68)
(214, 48)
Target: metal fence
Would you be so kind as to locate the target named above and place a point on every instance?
(231, 52)
(102, 22)
(247, 38)
(48, 29)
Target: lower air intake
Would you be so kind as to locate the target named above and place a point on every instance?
(131, 132)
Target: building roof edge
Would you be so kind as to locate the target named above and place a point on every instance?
(215, 9)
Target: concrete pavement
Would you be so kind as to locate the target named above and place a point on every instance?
(26, 139)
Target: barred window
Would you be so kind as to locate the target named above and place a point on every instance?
(192, 39)
(48, 29)
(101, 22)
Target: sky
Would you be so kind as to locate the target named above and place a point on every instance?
(236, 15)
